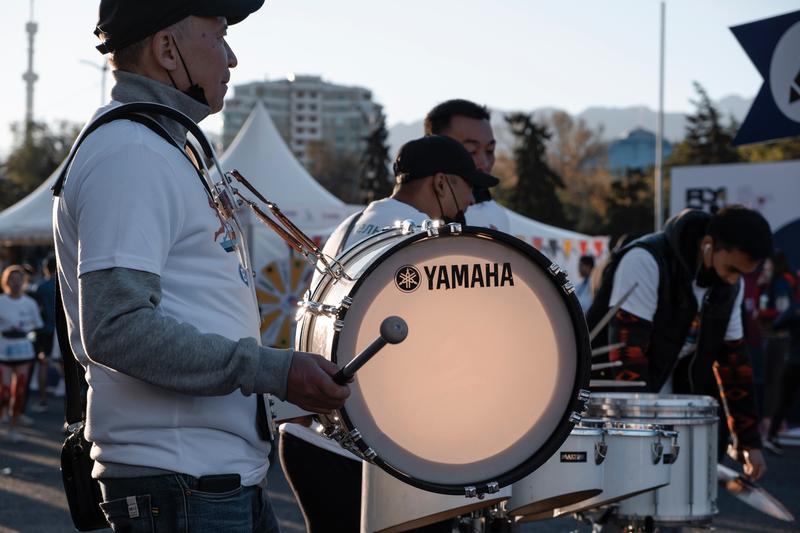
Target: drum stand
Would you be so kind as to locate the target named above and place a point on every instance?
(490, 520)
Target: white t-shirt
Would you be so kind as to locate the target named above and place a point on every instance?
(377, 216)
(21, 314)
(488, 215)
(131, 200)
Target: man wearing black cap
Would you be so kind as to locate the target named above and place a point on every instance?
(161, 315)
(469, 124)
(435, 177)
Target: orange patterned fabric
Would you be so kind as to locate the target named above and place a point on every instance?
(736, 384)
(635, 333)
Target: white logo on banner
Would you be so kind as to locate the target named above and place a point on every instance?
(784, 73)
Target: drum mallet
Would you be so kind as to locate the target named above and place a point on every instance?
(394, 330)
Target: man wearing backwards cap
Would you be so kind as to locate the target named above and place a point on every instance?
(168, 326)
(435, 176)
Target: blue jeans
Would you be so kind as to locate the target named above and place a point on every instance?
(171, 503)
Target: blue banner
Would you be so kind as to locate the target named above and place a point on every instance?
(773, 46)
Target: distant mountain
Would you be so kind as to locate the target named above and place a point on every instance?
(615, 122)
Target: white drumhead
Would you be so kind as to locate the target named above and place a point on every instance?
(487, 371)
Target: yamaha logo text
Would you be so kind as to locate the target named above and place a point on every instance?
(469, 276)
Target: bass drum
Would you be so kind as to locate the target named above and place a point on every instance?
(492, 376)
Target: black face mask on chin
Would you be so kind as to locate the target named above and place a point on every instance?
(194, 91)
(460, 217)
(707, 277)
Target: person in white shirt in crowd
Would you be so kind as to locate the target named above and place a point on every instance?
(160, 308)
(19, 318)
(469, 124)
(435, 178)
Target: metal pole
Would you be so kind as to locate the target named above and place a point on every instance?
(659, 178)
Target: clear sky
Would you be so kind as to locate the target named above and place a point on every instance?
(509, 54)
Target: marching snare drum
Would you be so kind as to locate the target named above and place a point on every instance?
(573, 474)
(634, 462)
(489, 381)
(691, 496)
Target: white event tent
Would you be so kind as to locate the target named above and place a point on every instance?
(261, 155)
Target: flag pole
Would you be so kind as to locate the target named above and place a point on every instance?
(659, 178)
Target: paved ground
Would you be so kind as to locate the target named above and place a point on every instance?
(31, 497)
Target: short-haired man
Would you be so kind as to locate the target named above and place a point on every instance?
(161, 314)
(435, 177)
(684, 314)
(469, 124)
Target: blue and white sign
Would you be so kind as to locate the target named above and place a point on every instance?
(773, 46)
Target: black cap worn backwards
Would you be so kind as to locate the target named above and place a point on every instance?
(124, 22)
(429, 155)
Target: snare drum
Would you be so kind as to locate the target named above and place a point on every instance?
(573, 474)
(691, 496)
(489, 382)
(634, 462)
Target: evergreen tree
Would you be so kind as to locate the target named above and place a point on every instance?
(34, 157)
(629, 205)
(374, 181)
(535, 194)
(707, 140)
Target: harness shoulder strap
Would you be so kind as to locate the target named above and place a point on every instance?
(134, 112)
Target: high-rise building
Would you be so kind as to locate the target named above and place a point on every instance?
(306, 110)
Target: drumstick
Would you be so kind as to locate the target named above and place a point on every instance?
(725, 407)
(606, 349)
(615, 383)
(611, 312)
(601, 366)
(393, 330)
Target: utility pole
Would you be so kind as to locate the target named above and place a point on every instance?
(30, 78)
(659, 178)
(103, 68)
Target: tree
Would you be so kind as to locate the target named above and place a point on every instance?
(580, 157)
(782, 150)
(374, 179)
(337, 171)
(629, 205)
(707, 141)
(34, 158)
(535, 193)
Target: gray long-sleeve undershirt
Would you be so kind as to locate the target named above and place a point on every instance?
(123, 329)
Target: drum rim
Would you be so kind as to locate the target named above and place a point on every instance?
(580, 381)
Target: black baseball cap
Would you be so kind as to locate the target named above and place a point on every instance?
(428, 155)
(125, 22)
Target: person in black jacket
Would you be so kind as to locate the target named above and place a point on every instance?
(684, 314)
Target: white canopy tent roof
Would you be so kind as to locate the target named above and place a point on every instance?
(30, 221)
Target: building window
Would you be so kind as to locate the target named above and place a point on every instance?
(301, 94)
(299, 142)
(312, 118)
(300, 118)
(299, 130)
(312, 131)
(300, 106)
(313, 107)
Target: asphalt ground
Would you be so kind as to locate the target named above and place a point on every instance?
(32, 498)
